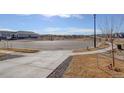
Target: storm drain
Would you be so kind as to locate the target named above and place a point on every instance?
(59, 71)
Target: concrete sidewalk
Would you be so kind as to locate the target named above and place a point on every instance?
(37, 65)
(91, 52)
(95, 52)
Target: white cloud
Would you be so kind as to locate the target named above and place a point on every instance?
(60, 15)
(64, 15)
(78, 16)
(24, 14)
(6, 29)
(69, 31)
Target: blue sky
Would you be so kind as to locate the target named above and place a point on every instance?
(52, 24)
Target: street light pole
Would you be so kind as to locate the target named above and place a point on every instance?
(94, 30)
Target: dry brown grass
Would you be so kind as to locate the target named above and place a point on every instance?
(20, 50)
(82, 39)
(103, 45)
(84, 50)
(2, 54)
(119, 41)
(117, 51)
(86, 66)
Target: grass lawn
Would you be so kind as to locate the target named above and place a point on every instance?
(20, 50)
(87, 66)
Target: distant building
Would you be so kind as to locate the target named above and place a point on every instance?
(6, 34)
(26, 34)
(120, 35)
(17, 35)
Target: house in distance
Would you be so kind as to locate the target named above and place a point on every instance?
(17, 34)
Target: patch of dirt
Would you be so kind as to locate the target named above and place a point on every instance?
(9, 56)
(21, 50)
(2, 54)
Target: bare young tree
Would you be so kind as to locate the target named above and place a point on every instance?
(111, 25)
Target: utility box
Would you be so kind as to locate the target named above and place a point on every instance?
(120, 46)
